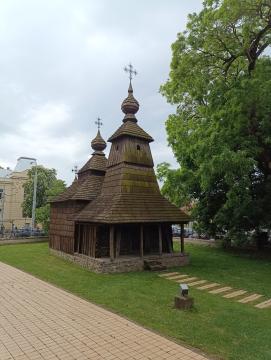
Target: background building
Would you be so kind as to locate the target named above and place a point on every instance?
(12, 194)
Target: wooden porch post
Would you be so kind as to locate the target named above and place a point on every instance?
(95, 240)
(77, 238)
(182, 238)
(118, 242)
(169, 239)
(111, 242)
(141, 241)
(160, 240)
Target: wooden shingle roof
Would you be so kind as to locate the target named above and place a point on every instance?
(132, 208)
(67, 194)
(96, 162)
(130, 194)
(86, 189)
(89, 188)
(90, 176)
(131, 128)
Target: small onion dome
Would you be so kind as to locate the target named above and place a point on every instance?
(98, 143)
(130, 106)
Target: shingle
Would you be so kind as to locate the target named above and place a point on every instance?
(132, 129)
(96, 162)
(67, 194)
(89, 188)
(132, 208)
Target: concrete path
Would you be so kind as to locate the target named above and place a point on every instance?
(40, 321)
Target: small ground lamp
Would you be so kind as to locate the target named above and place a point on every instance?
(184, 289)
(183, 301)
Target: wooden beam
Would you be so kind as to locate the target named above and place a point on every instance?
(160, 240)
(94, 241)
(111, 242)
(182, 238)
(77, 239)
(84, 240)
(141, 241)
(118, 242)
(169, 239)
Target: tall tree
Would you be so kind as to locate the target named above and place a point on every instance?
(47, 186)
(220, 81)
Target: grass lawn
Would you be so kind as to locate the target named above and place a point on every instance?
(220, 327)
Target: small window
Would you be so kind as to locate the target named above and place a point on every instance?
(117, 147)
(138, 147)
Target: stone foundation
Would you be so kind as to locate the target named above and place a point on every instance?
(123, 263)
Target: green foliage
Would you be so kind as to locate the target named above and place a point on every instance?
(43, 217)
(174, 184)
(48, 186)
(43, 212)
(221, 132)
(45, 179)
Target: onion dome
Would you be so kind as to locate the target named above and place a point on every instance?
(130, 106)
(98, 144)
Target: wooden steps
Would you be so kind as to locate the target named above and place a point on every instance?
(154, 265)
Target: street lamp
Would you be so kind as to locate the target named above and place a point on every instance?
(2, 207)
(34, 195)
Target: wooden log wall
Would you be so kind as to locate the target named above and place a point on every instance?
(85, 242)
(61, 233)
(92, 240)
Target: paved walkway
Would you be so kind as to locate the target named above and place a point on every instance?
(40, 321)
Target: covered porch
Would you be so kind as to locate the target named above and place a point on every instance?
(115, 241)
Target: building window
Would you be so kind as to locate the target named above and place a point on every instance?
(117, 147)
(1, 193)
(138, 147)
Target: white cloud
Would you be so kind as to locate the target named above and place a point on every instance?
(46, 119)
(61, 66)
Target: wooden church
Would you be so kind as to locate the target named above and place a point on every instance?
(113, 218)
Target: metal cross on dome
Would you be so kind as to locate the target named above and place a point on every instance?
(130, 69)
(99, 123)
(75, 170)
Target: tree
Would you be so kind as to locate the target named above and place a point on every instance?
(43, 212)
(221, 132)
(48, 186)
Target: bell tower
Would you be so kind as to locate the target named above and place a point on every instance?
(130, 143)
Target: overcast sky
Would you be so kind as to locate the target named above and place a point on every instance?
(61, 66)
